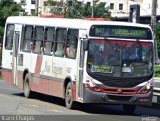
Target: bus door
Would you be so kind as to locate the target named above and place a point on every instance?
(80, 66)
(16, 41)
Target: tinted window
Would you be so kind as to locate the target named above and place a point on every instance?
(28, 35)
(9, 37)
(72, 40)
(38, 40)
(49, 40)
(61, 35)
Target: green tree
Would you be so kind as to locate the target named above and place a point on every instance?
(101, 11)
(158, 38)
(7, 8)
(84, 10)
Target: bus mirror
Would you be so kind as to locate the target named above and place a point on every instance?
(85, 44)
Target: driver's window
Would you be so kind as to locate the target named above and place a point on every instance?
(72, 41)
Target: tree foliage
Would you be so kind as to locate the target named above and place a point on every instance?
(82, 10)
(7, 8)
(158, 38)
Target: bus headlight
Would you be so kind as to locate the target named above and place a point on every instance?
(90, 83)
(93, 86)
(145, 89)
(149, 85)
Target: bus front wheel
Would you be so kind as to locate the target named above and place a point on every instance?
(70, 104)
(129, 109)
(27, 88)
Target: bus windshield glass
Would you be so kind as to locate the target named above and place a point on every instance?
(117, 58)
(128, 32)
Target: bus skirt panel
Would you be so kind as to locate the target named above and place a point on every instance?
(100, 97)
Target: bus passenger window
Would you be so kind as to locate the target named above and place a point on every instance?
(59, 43)
(28, 35)
(72, 40)
(39, 32)
(9, 37)
(49, 41)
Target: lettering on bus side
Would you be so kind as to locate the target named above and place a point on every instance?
(52, 69)
(57, 70)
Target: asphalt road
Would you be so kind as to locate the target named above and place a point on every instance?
(14, 106)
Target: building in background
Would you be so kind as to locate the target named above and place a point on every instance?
(119, 8)
(29, 6)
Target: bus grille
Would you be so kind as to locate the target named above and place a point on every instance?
(119, 98)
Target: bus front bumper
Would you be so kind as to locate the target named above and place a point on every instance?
(100, 97)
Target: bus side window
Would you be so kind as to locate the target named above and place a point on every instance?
(9, 37)
(28, 35)
(49, 40)
(60, 41)
(72, 41)
(38, 42)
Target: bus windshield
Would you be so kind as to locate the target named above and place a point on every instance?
(127, 32)
(117, 58)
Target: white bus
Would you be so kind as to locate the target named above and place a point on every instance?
(80, 60)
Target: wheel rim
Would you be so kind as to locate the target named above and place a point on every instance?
(68, 96)
(26, 87)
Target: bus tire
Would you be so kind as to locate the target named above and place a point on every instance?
(129, 109)
(27, 88)
(69, 101)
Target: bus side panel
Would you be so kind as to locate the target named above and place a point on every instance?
(7, 76)
(54, 70)
(44, 82)
(20, 79)
(48, 86)
(25, 61)
(7, 59)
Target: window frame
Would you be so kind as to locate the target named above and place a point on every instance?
(33, 11)
(64, 42)
(120, 6)
(35, 39)
(71, 43)
(111, 6)
(53, 41)
(31, 39)
(33, 2)
(6, 40)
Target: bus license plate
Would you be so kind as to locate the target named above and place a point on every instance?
(154, 99)
(126, 69)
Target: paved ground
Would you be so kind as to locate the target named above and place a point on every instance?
(49, 108)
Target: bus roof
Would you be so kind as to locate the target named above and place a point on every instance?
(65, 22)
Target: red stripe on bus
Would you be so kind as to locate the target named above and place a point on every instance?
(74, 91)
(124, 91)
(38, 64)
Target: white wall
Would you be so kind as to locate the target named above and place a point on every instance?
(145, 7)
(28, 6)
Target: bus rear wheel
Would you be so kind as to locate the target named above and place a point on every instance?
(70, 104)
(27, 88)
(129, 109)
